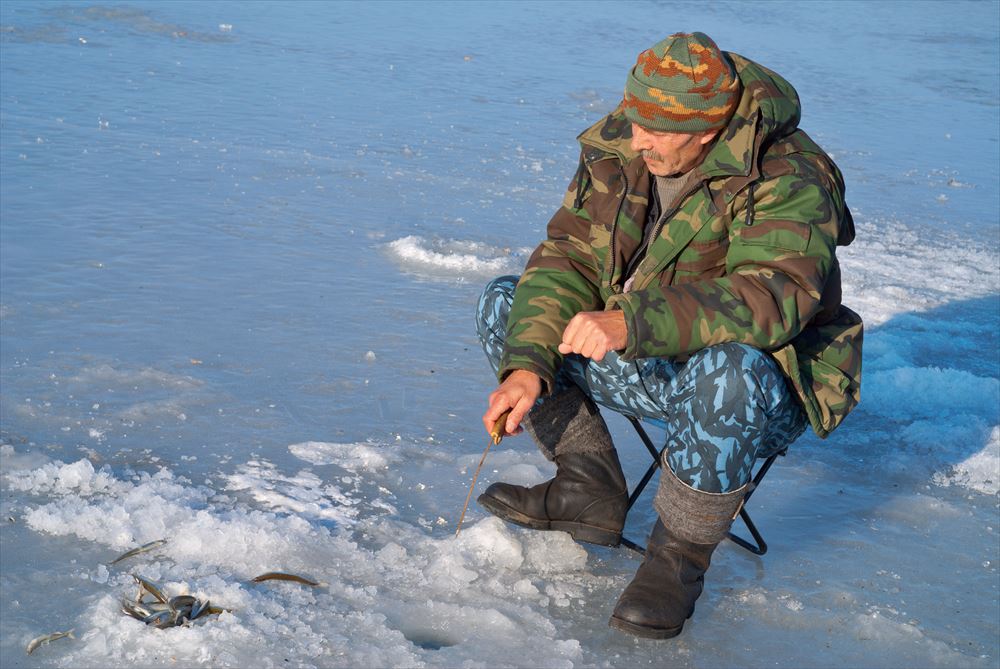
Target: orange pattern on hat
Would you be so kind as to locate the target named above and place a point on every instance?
(682, 84)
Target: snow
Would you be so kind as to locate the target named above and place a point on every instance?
(451, 257)
(980, 471)
(353, 457)
(239, 273)
(416, 590)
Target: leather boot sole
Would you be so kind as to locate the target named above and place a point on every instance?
(579, 531)
(643, 631)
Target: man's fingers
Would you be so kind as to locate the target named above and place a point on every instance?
(581, 336)
(593, 348)
(571, 330)
(576, 334)
(593, 333)
(517, 414)
(588, 348)
(590, 342)
(517, 393)
(498, 404)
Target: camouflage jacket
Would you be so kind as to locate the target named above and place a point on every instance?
(748, 254)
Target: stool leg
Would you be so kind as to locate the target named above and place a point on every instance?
(758, 547)
(648, 443)
(657, 455)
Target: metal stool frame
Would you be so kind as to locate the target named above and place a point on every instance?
(759, 547)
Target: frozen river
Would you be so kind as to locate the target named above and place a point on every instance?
(240, 249)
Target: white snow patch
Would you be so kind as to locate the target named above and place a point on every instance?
(890, 269)
(454, 258)
(881, 630)
(105, 375)
(158, 408)
(355, 457)
(980, 472)
(520, 474)
(59, 478)
(11, 461)
(304, 493)
(491, 543)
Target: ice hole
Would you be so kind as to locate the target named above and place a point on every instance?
(428, 639)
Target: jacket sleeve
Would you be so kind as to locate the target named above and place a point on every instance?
(781, 252)
(560, 280)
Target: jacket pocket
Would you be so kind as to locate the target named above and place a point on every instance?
(824, 366)
(779, 234)
(705, 256)
(821, 374)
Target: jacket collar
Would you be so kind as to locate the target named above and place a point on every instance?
(733, 154)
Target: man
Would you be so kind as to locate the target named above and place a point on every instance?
(690, 276)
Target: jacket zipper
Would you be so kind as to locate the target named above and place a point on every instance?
(655, 232)
(614, 230)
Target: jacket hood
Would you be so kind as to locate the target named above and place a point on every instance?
(768, 110)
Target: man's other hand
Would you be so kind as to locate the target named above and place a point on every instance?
(593, 333)
(518, 393)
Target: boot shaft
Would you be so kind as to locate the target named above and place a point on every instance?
(568, 422)
(693, 515)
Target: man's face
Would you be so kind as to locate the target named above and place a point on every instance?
(670, 153)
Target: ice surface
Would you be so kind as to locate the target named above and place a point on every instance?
(238, 275)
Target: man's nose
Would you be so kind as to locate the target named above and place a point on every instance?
(639, 138)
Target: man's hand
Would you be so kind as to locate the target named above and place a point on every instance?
(518, 392)
(593, 333)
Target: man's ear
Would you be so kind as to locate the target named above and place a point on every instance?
(708, 136)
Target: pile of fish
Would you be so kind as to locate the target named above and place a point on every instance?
(152, 607)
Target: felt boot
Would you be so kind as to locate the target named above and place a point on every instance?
(588, 496)
(690, 526)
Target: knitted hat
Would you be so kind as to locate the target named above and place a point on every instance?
(683, 84)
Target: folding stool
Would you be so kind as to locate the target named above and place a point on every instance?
(757, 548)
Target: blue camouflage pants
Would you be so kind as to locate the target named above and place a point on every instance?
(723, 408)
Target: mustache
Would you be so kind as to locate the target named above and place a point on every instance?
(652, 155)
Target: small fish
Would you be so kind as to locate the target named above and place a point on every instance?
(141, 549)
(136, 610)
(151, 588)
(160, 618)
(182, 606)
(214, 610)
(281, 576)
(180, 601)
(199, 607)
(142, 610)
(46, 638)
